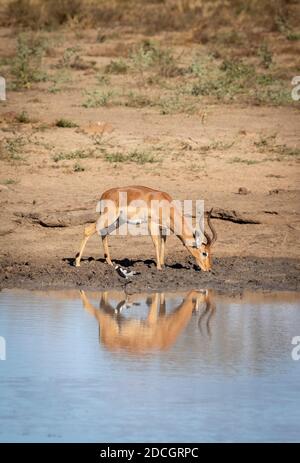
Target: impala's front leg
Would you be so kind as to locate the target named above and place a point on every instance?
(152, 314)
(155, 235)
(86, 303)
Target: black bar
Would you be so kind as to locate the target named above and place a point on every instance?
(140, 452)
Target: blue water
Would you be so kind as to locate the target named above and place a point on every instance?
(232, 379)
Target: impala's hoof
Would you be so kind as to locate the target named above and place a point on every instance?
(77, 264)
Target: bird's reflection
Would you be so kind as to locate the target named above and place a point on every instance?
(158, 331)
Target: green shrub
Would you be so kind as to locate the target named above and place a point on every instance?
(117, 67)
(97, 98)
(65, 123)
(78, 167)
(23, 118)
(136, 156)
(27, 63)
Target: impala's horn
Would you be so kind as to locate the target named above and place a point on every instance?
(212, 228)
(210, 240)
(197, 237)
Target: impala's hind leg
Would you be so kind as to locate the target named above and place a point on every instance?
(152, 314)
(162, 305)
(102, 224)
(86, 303)
(88, 232)
(163, 239)
(106, 250)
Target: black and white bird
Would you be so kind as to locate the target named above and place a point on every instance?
(126, 304)
(123, 272)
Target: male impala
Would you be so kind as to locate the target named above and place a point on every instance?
(138, 208)
(159, 331)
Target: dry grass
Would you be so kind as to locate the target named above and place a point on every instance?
(155, 15)
(240, 61)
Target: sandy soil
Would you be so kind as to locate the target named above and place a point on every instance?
(208, 155)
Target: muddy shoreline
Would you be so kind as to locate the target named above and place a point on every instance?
(230, 275)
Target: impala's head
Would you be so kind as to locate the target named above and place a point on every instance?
(202, 250)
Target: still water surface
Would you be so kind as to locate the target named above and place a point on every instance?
(186, 367)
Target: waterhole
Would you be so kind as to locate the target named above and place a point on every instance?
(160, 367)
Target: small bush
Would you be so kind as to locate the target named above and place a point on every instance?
(117, 67)
(141, 157)
(78, 154)
(58, 79)
(293, 36)
(70, 56)
(23, 118)
(236, 79)
(27, 64)
(115, 157)
(137, 100)
(175, 104)
(8, 181)
(150, 56)
(11, 148)
(235, 70)
(267, 144)
(103, 79)
(96, 98)
(265, 55)
(65, 123)
(136, 156)
(78, 167)
(249, 162)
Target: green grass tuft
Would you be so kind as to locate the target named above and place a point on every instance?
(78, 167)
(65, 123)
(135, 156)
(97, 98)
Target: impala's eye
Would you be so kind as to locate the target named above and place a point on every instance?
(204, 254)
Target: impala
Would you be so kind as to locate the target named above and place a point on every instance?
(158, 331)
(137, 209)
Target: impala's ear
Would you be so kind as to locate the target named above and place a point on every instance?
(197, 243)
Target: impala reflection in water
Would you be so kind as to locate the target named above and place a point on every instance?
(159, 331)
(186, 366)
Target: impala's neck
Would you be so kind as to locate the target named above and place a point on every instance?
(180, 226)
